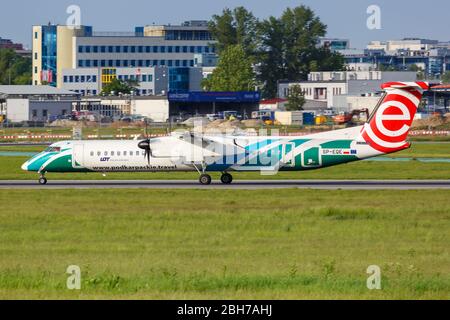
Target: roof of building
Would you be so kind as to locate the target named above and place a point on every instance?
(33, 90)
(442, 86)
(273, 101)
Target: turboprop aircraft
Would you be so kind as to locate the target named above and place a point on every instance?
(385, 132)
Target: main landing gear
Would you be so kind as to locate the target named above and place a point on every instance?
(205, 179)
(226, 178)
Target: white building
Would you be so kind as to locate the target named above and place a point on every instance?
(324, 86)
(150, 81)
(90, 81)
(35, 103)
(348, 103)
(273, 104)
(155, 108)
(408, 44)
(58, 47)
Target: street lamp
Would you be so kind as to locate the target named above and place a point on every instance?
(10, 62)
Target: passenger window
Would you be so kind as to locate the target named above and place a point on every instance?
(53, 149)
(112, 153)
(124, 153)
(118, 153)
(99, 153)
(92, 153)
(106, 153)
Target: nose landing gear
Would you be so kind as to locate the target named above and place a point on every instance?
(205, 179)
(42, 180)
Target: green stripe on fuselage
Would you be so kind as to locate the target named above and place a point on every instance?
(63, 164)
(330, 160)
(35, 163)
(337, 144)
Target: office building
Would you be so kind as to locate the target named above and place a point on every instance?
(148, 80)
(430, 56)
(17, 47)
(35, 103)
(334, 44)
(324, 86)
(60, 52)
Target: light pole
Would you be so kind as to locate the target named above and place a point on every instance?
(9, 70)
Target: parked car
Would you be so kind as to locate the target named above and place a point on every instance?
(86, 115)
(213, 116)
(230, 115)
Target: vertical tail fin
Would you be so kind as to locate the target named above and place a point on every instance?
(387, 128)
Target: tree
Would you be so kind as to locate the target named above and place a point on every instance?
(14, 69)
(385, 67)
(235, 27)
(419, 71)
(446, 77)
(271, 62)
(117, 86)
(296, 99)
(288, 48)
(234, 72)
(284, 48)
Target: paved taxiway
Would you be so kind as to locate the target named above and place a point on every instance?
(240, 184)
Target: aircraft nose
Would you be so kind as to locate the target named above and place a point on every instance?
(25, 166)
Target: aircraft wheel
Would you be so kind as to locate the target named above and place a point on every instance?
(42, 180)
(226, 178)
(205, 179)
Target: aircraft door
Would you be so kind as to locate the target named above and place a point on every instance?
(78, 155)
(312, 158)
(288, 154)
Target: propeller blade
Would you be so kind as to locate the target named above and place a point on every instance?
(145, 145)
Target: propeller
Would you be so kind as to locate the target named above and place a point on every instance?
(145, 145)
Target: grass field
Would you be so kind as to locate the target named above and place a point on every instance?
(358, 170)
(110, 131)
(278, 244)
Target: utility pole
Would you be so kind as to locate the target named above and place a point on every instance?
(9, 70)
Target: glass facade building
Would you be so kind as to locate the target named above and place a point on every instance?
(178, 79)
(49, 55)
(58, 49)
(188, 35)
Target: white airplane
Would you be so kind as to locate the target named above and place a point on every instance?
(385, 132)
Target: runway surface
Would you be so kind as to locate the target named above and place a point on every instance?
(240, 184)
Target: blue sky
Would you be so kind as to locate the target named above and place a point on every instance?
(345, 18)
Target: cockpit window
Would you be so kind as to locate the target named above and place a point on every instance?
(53, 149)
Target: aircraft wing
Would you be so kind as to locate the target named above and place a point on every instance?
(196, 139)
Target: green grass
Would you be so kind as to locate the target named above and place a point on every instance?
(86, 131)
(102, 131)
(14, 148)
(211, 244)
(130, 130)
(430, 138)
(358, 170)
(425, 150)
(354, 171)
(418, 150)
